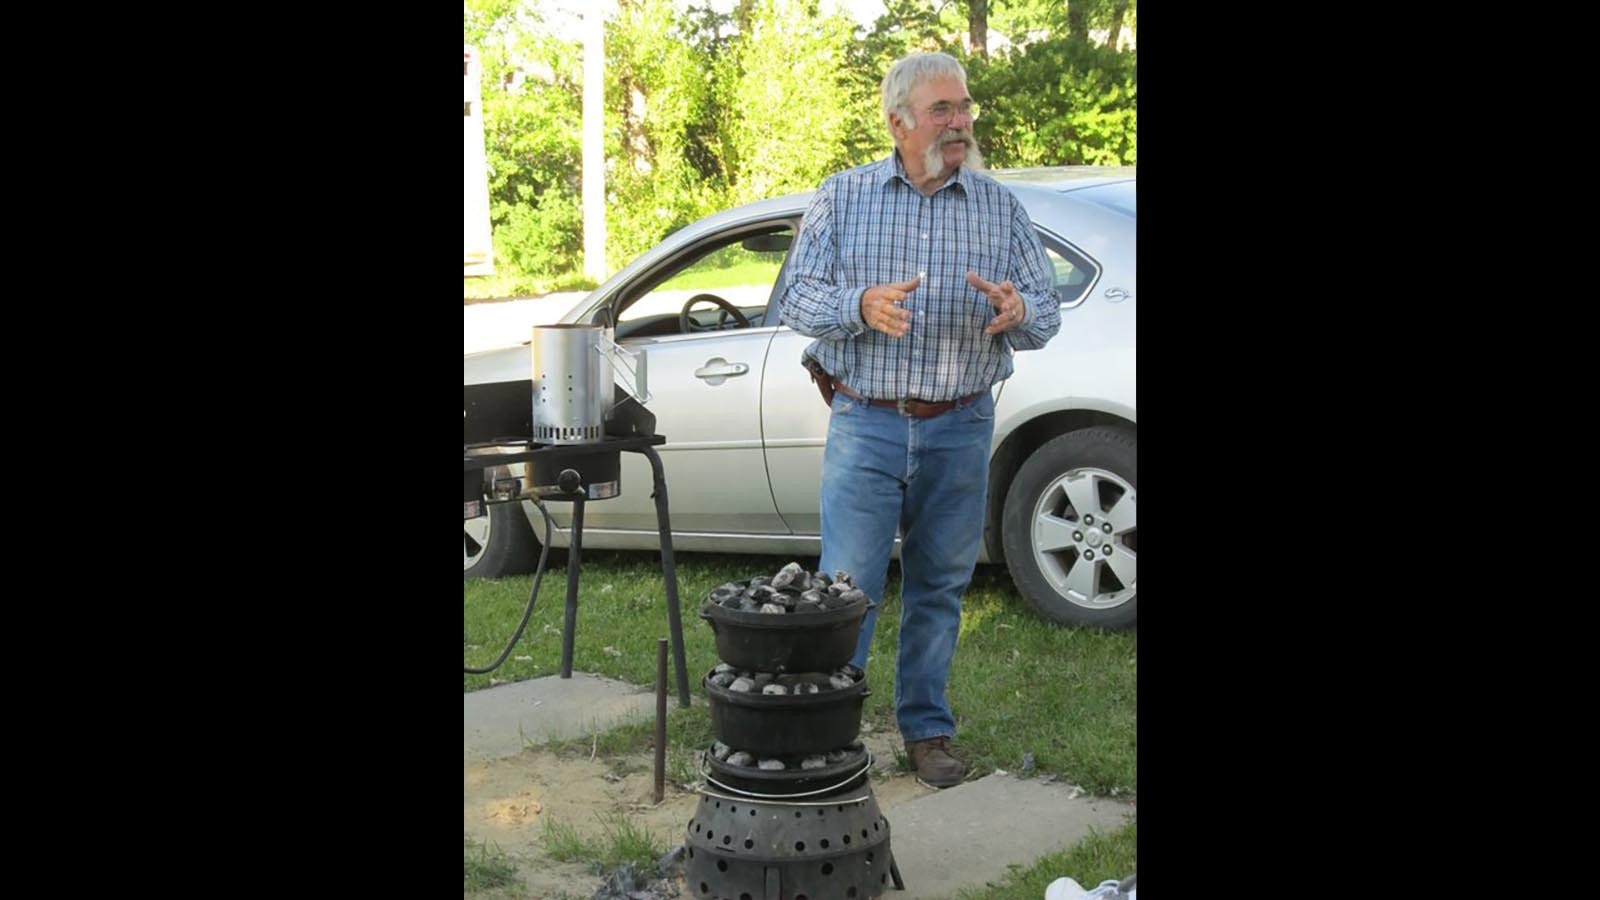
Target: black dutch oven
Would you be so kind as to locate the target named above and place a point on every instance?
(818, 641)
(793, 780)
(787, 724)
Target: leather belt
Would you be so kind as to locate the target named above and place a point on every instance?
(906, 406)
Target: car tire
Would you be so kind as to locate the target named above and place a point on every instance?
(498, 543)
(1069, 528)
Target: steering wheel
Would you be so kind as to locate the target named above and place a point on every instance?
(687, 324)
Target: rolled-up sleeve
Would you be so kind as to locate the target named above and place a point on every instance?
(1034, 279)
(814, 302)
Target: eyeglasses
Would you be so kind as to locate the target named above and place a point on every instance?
(942, 112)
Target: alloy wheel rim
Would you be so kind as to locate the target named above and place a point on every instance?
(1085, 537)
(475, 540)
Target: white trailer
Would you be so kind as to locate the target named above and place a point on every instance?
(479, 245)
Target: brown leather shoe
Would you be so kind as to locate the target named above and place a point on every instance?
(936, 766)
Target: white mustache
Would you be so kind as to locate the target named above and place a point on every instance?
(932, 157)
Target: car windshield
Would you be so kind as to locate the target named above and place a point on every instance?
(1119, 196)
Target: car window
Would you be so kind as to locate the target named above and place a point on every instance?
(1074, 271)
(741, 271)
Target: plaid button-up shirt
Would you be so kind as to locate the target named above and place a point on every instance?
(870, 225)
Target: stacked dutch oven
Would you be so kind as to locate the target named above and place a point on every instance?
(788, 809)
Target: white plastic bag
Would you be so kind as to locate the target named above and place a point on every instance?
(1067, 889)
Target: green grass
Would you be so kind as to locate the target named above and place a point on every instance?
(751, 272)
(625, 842)
(621, 613)
(486, 867)
(1094, 859)
(688, 733)
(507, 283)
(618, 841)
(563, 842)
(1019, 684)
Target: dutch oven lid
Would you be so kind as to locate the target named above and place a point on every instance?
(715, 613)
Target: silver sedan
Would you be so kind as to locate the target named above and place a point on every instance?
(744, 426)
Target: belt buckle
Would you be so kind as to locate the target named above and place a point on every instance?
(900, 406)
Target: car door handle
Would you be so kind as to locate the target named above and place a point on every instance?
(717, 370)
(1116, 294)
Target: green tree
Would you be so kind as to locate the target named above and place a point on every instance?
(1051, 98)
(660, 128)
(907, 26)
(1024, 20)
(978, 27)
(1120, 10)
(531, 113)
(705, 109)
(792, 95)
(1060, 101)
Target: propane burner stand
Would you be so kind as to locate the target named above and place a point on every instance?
(573, 486)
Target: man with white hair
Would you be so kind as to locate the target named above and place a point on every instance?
(919, 277)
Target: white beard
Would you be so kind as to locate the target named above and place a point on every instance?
(933, 157)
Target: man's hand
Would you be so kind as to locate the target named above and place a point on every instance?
(1003, 297)
(881, 309)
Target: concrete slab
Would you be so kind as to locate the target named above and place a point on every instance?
(944, 842)
(498, 721)
(966, 836)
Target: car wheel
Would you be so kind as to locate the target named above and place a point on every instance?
(1070, 530)
(499, 543)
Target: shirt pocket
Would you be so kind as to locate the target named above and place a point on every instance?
(980, 248)
(877, 252)
(990, 266)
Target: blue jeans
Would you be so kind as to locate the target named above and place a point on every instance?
(929, 477)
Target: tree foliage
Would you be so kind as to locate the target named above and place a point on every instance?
(532, 117)
(659, 115)
(791, 99)
(707, 109)
(1060, 101)
(1020, 20)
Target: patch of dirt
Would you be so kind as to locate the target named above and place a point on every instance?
(514, 811)
(506, 802)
